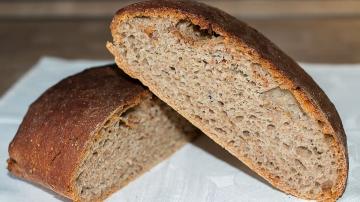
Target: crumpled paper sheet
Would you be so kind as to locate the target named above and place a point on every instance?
(200, 171)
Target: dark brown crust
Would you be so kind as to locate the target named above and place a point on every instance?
(285, 70)
(53, 136)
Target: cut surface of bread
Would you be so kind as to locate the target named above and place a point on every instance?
(128, 145)
(93, 133)
(239, 89)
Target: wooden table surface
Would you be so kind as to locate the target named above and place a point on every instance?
(311, 38)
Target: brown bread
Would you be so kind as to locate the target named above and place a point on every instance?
(238, 88)
(92, 133)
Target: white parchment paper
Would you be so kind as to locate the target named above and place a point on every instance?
(200, 171)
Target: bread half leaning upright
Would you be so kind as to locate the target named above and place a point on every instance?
(92, 133)
(239, 89)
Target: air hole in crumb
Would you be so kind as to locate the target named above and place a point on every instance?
(243, 74)
(198, 118)
(286, 123)
(239, 118)
(107, 122)
(246, 133)
(315, 149)
(211, 111)
(252, 117)
(220, 103)
(300, 164)
(271, 127)
(220, 130)
(196, 29)
(320, 123)
(329, 139)
(172, 68)
(142, 17)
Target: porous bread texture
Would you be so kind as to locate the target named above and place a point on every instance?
(129, 144)
(231, 98)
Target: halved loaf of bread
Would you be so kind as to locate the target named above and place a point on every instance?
(238, 88)
(92, 133)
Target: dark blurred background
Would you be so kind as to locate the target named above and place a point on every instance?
(320, 31)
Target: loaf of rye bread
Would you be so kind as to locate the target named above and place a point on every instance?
(92, 133)
(238, 88)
